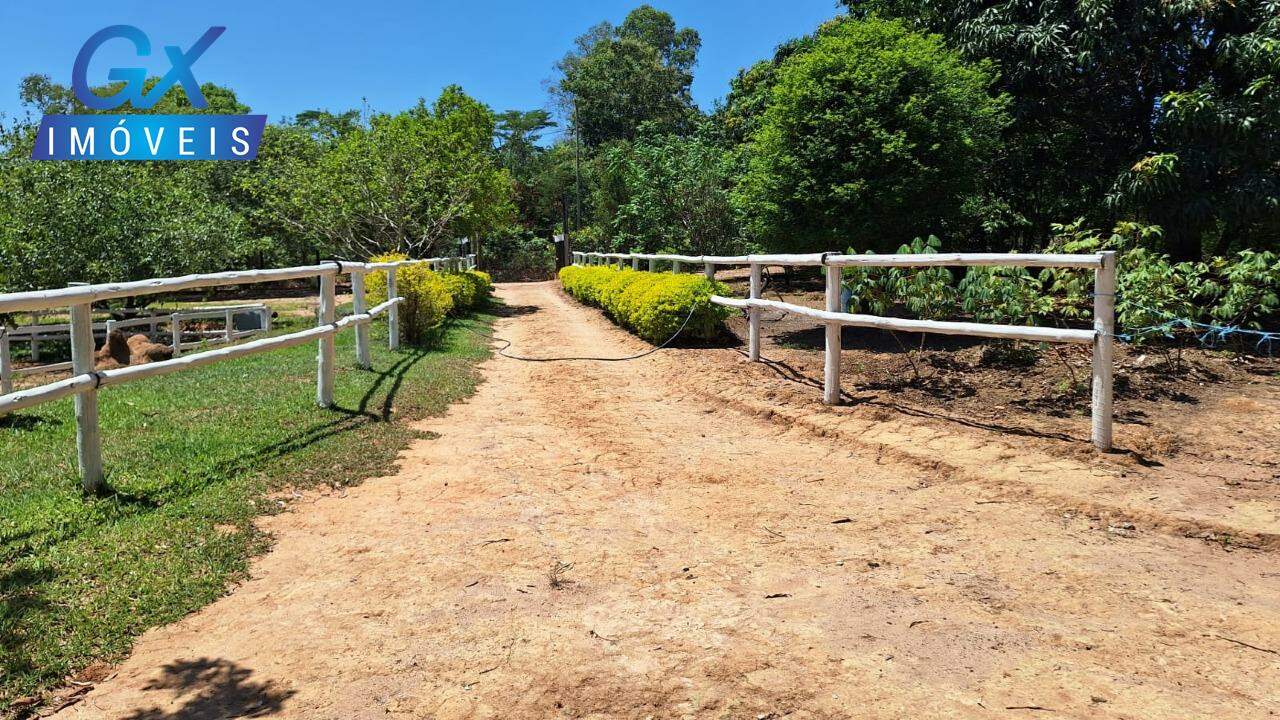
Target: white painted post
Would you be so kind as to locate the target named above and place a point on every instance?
(635, 263)
(175, 327)
(709, 270)
(362, 330)
(88, 441)
(831, 364)
(230, 330)
(753, 334)
(1104, 326)
(676, 267)
(653, 265)
(326, 357)
(6, 364)
(393, 313)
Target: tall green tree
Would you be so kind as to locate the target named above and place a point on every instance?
(619, 78)
(670, 193)
(518, 133)
(410, 182)
(872, 135)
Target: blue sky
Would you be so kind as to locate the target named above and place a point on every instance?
(284, 56)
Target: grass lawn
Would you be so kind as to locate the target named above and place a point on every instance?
(191, 458)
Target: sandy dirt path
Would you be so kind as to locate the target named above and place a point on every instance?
(601, 540)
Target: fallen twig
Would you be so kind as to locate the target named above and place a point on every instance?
(1245, 644)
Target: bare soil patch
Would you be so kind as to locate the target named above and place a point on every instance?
(692, 535)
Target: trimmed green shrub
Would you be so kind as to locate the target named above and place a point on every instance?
(469, 289)
(426, 298)
(652, 305)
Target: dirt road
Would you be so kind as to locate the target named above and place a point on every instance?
(660, 538)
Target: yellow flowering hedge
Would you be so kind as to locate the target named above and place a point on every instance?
(652, 305)
(427, 299)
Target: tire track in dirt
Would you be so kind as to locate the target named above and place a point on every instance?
(608, 540)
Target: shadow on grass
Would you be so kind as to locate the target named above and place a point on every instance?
(350, 420)
(27, 422)
(790, 374)
(20, 599)
(216, 689)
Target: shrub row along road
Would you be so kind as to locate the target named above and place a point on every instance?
(620, 540)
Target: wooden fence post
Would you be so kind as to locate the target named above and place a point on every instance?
(831, 364)
(359, 307)
(35, 346)
(88, 440)
(653, 265)
(753, 334)
(1104, 326)
(175, 328)
(709, 270)
(230, 330)
(393, 313)
(676, 267)
(635, 263)
(6, 364)
(326, 357)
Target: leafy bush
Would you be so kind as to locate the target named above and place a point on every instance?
(871, 131)
(427, 299)
(1153, 294)
(1238, 291)
(652, 305)
(517, 254)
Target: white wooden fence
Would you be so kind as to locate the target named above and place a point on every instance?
(149, 325)
(1101, 337)
(86, 380)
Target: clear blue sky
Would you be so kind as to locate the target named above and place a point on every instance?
(284, 56)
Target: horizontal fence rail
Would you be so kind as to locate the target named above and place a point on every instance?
(86, 379)
(1101, 336)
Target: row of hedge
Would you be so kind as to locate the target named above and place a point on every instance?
(429, 296)
(652, 305)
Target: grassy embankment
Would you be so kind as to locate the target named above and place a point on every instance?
(191, 460)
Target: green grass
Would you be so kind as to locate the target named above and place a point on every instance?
(191, 459)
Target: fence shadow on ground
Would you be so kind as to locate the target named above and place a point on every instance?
(874, 340)
(504, 310)
(351, 418)
(213, 689)
(791, 374)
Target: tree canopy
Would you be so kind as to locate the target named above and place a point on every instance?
(1165, 110)
(873, 134)
(620, 78)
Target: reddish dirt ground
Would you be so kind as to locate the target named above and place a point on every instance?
(692, 535)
